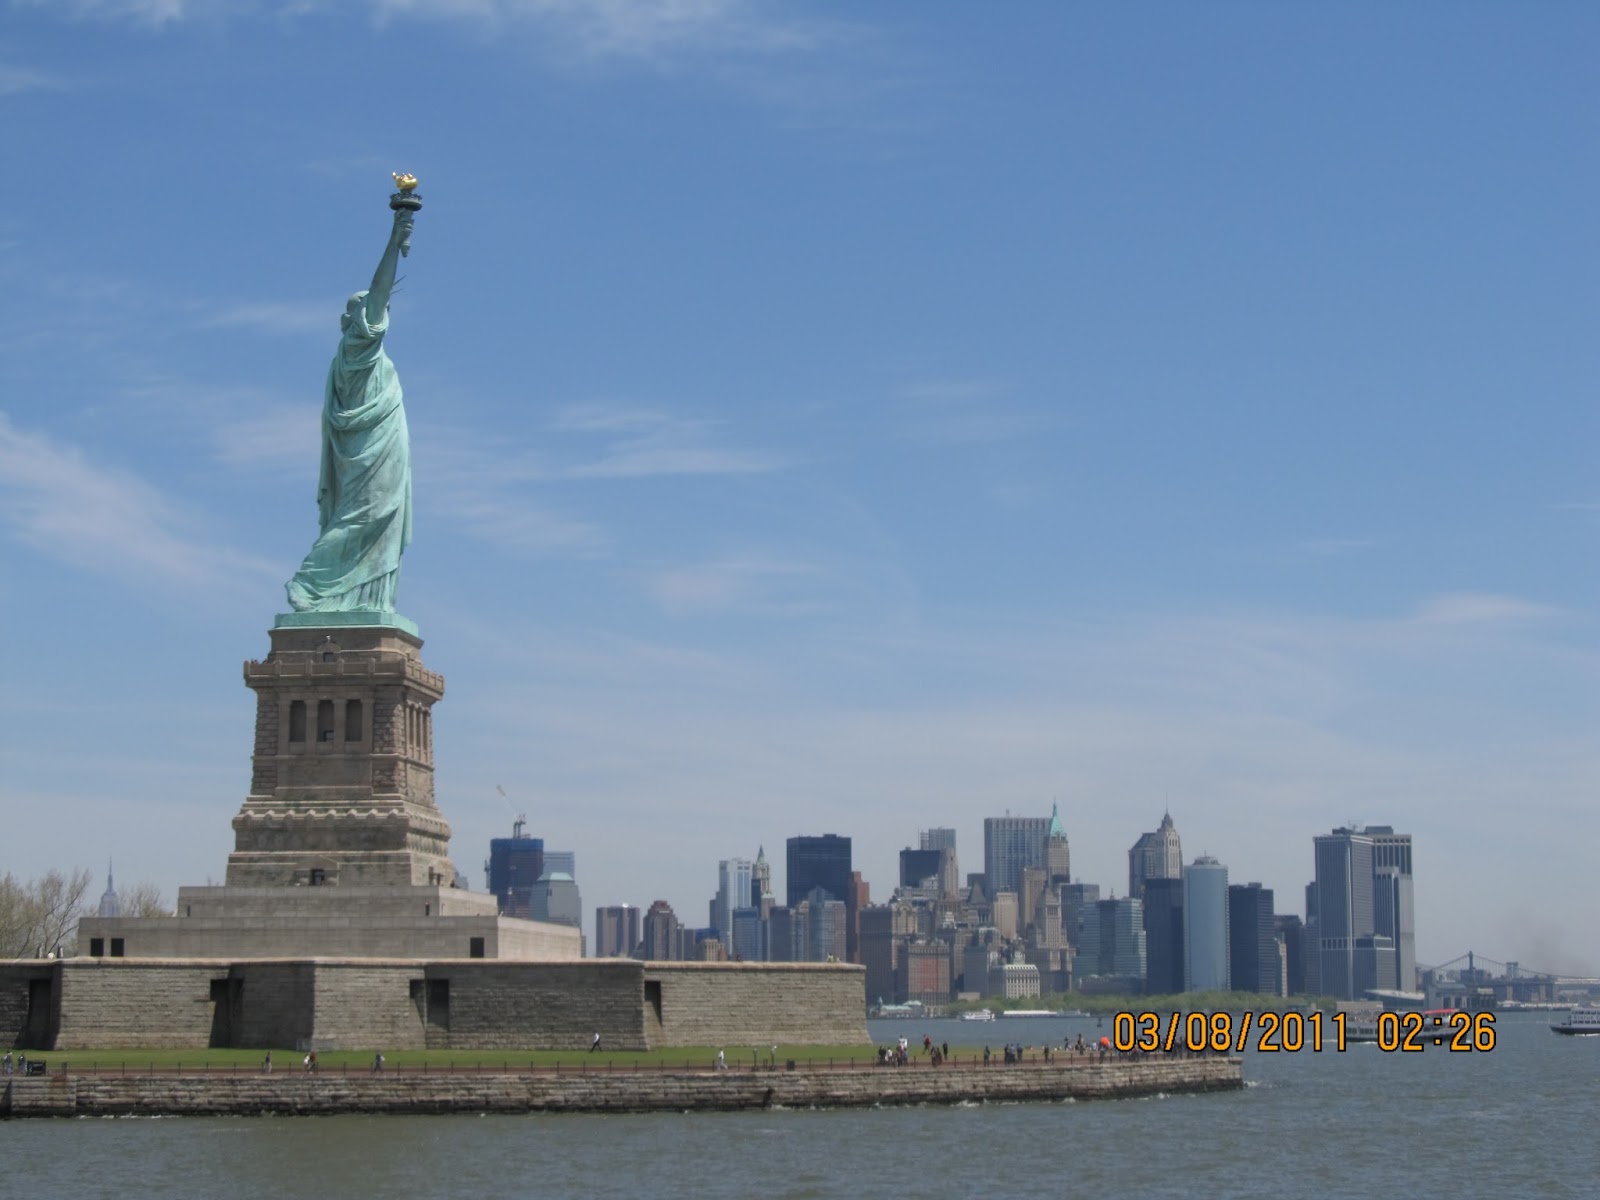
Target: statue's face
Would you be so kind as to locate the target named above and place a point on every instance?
(351, 307)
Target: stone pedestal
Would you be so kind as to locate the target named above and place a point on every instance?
(339, 850)
(341, 789)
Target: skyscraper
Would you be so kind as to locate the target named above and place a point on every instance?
(761, 881)
(1057, 851)
(555, 898)
(920, 866)
(1311, 944)
(1003, 914)
(1364, 920)
(1076, 899)
(818, 862)
(789, 933)
(1252, 940)
(734, 876)
(749, 935)
(659, 937)
(944, 841)
(827, 936)
(1205, 926)
(1163, 936)
(1291, 931)
(616, 930)
(110, 902)
(1011, 844)
(1394, 913)
(1112, 942)
(1156, 855)
(515, 865)
(857, 898)
(1030, 899)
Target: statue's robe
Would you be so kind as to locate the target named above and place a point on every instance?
(364, 493)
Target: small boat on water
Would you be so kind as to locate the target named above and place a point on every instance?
(1583, 1021)
(982, 1014)
(1028, 1012)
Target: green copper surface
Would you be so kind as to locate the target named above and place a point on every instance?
(364, 489)
(345, 620)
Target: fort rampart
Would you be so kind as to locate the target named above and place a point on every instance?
(402, 1004)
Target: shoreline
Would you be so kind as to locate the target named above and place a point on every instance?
(290, 1093)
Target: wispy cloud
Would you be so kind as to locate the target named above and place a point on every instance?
(282, 437)
(489, 494)
(153, 12)
(966, 411)
(637, 29)
(1476, 608)
(641, 29)
(786, 61)
(310, 316)
(104, 519)
(651, 443)
(751, 584)
(15, 78)
(516, 523)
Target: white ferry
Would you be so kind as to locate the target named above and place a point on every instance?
(1361, 1024)
(982, 1014)
(1583, 1021)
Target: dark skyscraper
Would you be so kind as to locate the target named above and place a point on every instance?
(659, 934)
(859, 897)
(1364, 924)
(1393, 913)
(818, 862)
(1252, 940)
(1344, 907)
(919, 865)
(1292, 932)
(944, 841)
(616, 931)
(1163, 936)
(1077, 899)
(515, 864)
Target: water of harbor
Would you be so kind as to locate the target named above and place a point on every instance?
(1520, 1121)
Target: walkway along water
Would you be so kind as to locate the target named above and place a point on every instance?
(72, 1093)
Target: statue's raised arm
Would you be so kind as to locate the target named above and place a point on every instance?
(364, 489)
(383, 278)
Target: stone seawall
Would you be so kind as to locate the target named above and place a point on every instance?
(297, 1094)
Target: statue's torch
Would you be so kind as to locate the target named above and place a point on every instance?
(406, 198)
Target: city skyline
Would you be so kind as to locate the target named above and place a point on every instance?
(828, 419)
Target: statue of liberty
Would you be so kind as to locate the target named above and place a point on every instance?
(364, 491)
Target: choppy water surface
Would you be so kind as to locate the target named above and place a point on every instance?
(1523, 1120)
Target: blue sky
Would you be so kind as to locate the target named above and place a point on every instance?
(831, 418)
